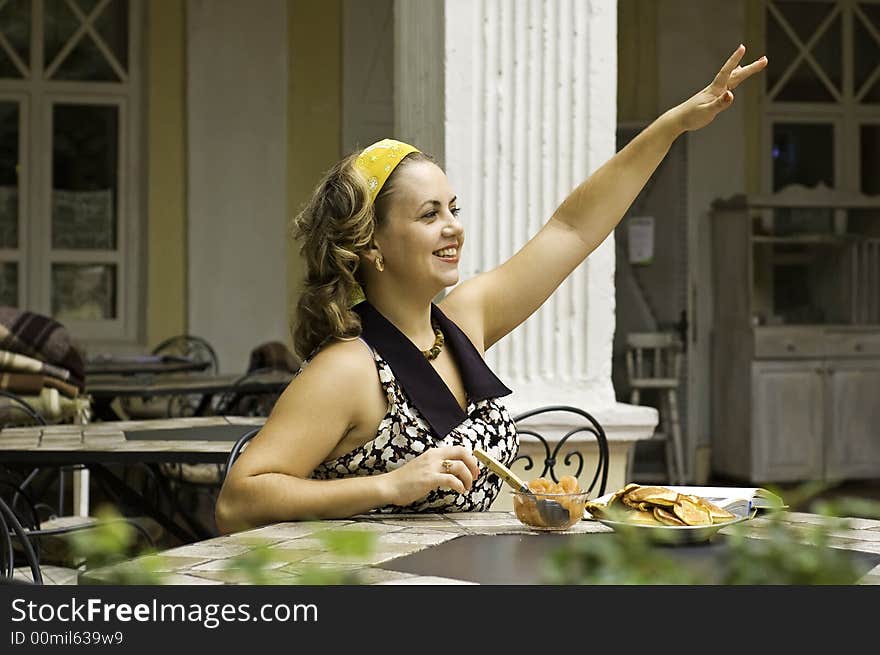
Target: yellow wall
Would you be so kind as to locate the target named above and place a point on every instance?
(313, 141)
(166, 193)
(314, 108)
(637, 93)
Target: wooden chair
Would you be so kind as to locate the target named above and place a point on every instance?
(653, 362)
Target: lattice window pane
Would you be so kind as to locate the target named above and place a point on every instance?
(869, 139)
(828, 52)
(9, 128)
(59, 26)
(87, 5)
(872, 96)
(866, 52)
(83, 292)
(9, 284)
(805, 17)
(780, 50)
(15, 38)
(85, 155)
(803, 153)
(807, 36)
(87, 41)
(804, 86)
(112, 26)
(86, 62)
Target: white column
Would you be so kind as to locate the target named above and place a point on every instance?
(528, 91)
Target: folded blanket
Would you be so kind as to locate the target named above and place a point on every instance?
(15, 362)
(43, 338)
(33, 383)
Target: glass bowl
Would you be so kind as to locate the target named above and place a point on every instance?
(545, 511)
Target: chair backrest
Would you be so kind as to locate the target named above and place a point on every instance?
(238, 447)
(238, 401)
(585, 423)
(653, 358)
(191, 346)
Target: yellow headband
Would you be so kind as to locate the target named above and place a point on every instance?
(379, 160)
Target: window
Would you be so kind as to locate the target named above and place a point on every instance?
(822, 94)
(69, 144)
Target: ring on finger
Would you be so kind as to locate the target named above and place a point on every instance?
(447, 465)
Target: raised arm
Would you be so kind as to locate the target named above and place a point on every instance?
(506, 296)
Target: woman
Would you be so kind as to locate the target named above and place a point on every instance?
(394, 393)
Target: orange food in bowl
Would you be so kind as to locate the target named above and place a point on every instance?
(566, 492)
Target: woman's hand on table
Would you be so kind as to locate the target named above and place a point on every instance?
(701, 109)
(427, 472)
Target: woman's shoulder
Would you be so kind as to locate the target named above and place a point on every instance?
(338, 370)
(349, 356)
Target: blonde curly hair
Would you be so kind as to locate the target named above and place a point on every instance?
(335, 227)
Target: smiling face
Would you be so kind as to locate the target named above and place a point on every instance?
(420, 238)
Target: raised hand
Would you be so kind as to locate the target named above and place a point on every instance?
(700, 109)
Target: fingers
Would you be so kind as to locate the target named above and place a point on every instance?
(456, 467)
(720, 103)
(723, 100)
(460, 471)
(466, 455)
(723, 75)
(743, 73)
(450, 481)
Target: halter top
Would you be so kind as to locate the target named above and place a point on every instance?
(423, 413)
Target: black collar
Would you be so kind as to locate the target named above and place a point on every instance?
(422, 384)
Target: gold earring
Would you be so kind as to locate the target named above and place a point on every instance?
(380, 263)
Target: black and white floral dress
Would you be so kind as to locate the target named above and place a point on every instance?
(423, 413)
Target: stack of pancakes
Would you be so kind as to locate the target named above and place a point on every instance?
(659, 506)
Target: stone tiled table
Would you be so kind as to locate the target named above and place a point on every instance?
(297, 547)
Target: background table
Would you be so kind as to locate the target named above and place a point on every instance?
(105, 389)
(189, 440)
(140, 364)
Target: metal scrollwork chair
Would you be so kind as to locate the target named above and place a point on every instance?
(20, 482)
(192, 347)
(239, 446)
(240, 402)
(571, 453)
(10, 529)
(197, 349)
(186, 347)
(31, 541)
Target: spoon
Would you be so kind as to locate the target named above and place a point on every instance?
(551, 512)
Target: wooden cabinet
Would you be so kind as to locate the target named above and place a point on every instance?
(853, 398)
(796, 340)
(788, 413)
